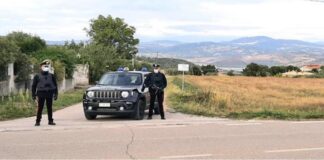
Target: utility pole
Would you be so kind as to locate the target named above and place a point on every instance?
(133, 62)
(156, 58)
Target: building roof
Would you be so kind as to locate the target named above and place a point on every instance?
(312, 66)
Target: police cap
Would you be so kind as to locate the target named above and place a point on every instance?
(156, 65)
(45, 62)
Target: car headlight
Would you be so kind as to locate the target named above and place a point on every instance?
(90, 94)
(124, 94)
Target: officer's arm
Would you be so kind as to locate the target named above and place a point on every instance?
(147, 81)
(145, 84)
(165, 82)
(34, 85)
(55, 83)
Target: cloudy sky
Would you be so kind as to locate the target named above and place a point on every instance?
(183, 20)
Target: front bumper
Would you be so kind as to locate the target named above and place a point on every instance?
(115, 108)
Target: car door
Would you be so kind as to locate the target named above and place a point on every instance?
(146, 92)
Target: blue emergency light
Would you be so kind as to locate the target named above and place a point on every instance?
(144, 69)
(120, 69)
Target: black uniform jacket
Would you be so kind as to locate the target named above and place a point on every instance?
(48, 93)
(156, 80)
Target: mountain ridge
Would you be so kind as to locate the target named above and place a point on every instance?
(241, 51)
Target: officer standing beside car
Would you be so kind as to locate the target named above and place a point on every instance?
(156, 82)
(44, 88)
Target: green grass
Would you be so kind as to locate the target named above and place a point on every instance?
(21, 105)
(198, 101)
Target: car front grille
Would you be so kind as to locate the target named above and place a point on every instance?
(108, 94)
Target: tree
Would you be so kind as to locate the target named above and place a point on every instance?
(55, 53)
(256, 70)
(26, 42)
(8, 51)
(8, 54)
(23, 68)
(209, 69)
(196, 71)
(275, 70)
(114, 33)
(322, 68)
(293, 68)
(230, 73)
(73, 45)
(100, 59)
(314, 70)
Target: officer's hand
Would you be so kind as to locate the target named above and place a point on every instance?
(55, 97)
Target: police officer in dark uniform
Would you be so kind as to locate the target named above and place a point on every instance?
(44, 88)
(156, 82)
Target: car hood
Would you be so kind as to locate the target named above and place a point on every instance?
(104, 88)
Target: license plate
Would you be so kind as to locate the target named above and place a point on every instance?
(104, 104)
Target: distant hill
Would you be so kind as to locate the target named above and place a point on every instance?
(61, 43)
(239, 52)
(55, 43)
(166, 63)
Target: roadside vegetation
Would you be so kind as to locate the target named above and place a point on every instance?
(248, 97)
(257, 70)
(112, 44)
(22, 105)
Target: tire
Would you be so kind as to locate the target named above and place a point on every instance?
(156, 109)
(90, 117)
(139, 110)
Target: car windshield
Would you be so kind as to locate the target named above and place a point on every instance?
(121, 79)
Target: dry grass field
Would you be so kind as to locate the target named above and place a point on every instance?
(249, 97)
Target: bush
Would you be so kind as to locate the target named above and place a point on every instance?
(100, 59)
(172, 71)
(209, 69)
(196, 71)
(22, 68)
(8, 51)
(54, 53)
(256, 70)
(59, 70)
(230, 73)
(27, 43)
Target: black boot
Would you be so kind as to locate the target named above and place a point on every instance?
(163, 118)
(37, 124)
(51, 123)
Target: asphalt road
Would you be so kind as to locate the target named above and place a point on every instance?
(179, 137)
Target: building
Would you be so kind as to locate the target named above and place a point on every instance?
(309, 68)
(295, 73)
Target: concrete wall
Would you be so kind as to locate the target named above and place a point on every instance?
(69, 84)
(80, 77)
(4, 88)
(81, 74)
(66, 84)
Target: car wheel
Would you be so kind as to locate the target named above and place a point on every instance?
(139, 110)
(90, 117)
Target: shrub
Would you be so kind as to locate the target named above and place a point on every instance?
(209, 69)
(54, 53)
(230, 73)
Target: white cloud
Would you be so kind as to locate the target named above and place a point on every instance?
(160, 19)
